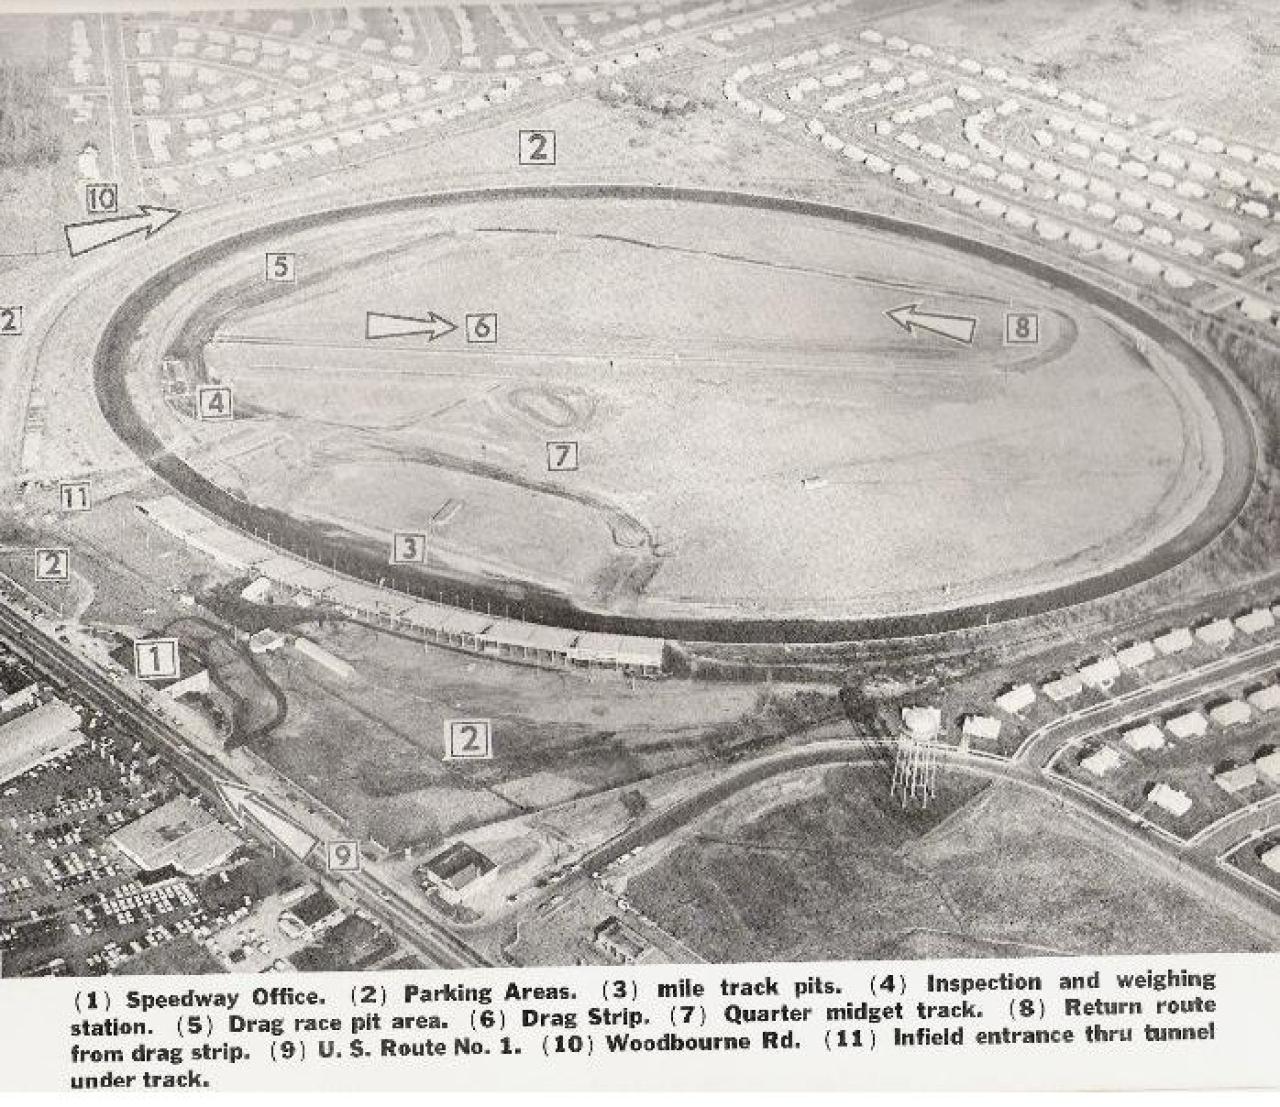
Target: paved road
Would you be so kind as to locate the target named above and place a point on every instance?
(1159, 697)
(1197, 874)
(419, 932)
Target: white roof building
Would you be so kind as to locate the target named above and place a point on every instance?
(1217, 633)
(1271, 858)
(984, 727)
(1101, 761)
(1177, 803)
(922, 722)
(1016, 699)
(1231, 713)
(1237, 779)
(1065, 687)
(1148, 736)
(1136, 655)
(1265, 699)
(1269, 765)
(1101, 673)
(1256, 621)
(1191, 725)
(1174, 641)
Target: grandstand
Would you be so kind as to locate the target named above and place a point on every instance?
(476, 631)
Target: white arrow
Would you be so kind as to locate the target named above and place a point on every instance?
(243, 801)
(910, 318)
(83, 237)
(378, 325)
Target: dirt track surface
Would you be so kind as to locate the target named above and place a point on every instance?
(541, 604)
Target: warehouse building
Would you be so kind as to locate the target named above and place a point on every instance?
(181, 834)
(36, 737)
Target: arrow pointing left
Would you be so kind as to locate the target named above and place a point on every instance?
(245, 801)
(91, 235)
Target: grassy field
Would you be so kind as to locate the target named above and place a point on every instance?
(373, 748)
(945, 478)
(840, 872)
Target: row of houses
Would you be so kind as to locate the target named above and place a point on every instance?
(1102, 672)
(476, 631)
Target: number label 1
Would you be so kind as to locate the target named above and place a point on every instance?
(342, 857)
(213, 403)
(537, 147)
(562, 457)
(73, 495)
(282, 268)
(468, 740)
(1021, 328)
(10, 321)
(408, 549)
(53, 565)
(482, 327)
(156, 659)
(102, 199)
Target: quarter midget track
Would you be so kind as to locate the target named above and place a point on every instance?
(829, 570)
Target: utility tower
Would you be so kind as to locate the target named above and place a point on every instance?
(915, 765)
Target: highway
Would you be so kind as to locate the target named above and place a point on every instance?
(420, 933)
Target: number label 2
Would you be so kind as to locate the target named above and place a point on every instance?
(537, 147)
(53, 565)
(468, 740)
(10, 321)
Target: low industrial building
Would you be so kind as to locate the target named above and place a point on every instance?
(311, 916)
(37, 736)
(181, 834)
(457, 872)
(619, 941)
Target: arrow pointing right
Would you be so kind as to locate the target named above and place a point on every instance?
(96, 233)
(243, 800)
(959, 328)
(379, 325)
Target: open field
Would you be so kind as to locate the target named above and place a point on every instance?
(837, 871)
(945, 479)
(373, 748)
